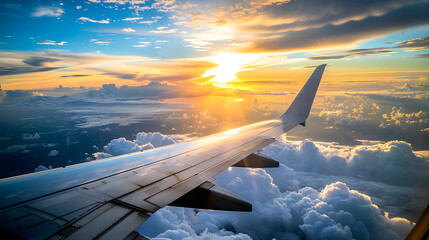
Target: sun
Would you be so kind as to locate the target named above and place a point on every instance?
(228, 64)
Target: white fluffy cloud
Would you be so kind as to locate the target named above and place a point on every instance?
(128, 30)
(334, 212)
(47, 11)
(393, 162)
(142, 142)
(312, 195)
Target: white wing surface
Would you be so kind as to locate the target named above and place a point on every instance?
(110, 198)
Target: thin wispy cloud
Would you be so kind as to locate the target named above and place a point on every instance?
(50, 42)
(85, 19)
(132, 19)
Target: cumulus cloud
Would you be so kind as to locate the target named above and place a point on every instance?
(42, 168)
(47, 11)
(393, 162)
(398, 117)
(309, 196)
(85, 19)
(335, 211)
(142, 142)
(53, 153)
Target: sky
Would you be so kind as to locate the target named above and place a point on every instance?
(86, 80)
(89, 43)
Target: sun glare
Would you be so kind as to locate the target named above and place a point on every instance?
(228, 65)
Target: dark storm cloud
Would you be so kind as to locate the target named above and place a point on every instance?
(39, 61)
(349, 32)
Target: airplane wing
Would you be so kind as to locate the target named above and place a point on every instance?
(110, 198)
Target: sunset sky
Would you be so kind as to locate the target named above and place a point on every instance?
(86, 80)
(89, 43)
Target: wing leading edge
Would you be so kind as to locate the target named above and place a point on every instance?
(109, 199)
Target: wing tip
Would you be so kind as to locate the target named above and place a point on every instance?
(301, 105)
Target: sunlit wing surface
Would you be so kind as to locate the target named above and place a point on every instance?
(109, 199)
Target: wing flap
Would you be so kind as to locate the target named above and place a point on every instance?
(257, 161)
(212, 197)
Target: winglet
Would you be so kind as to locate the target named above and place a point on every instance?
(299, 110)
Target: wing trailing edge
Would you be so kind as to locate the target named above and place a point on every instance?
(212, 197)
(257, 161)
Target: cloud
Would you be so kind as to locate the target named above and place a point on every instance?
(128, 76)
(85, 19)
(142, 44)
(164, 31)
(13, 148)
(53, 153)
(334, 211)
(156, 139)
(102, 42)
(414, 44)
(422, 55)
(42, 168)
(348, 32)
(128, 30)
(76, 75)
(47, 11)
(28, 136)
(142, 142)
(132, 19)
(306, 197)
(353, 53)
(22, 70)
(327, 57)
(50, 42)
(398, 117)
(39, 61)
(393, 162)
